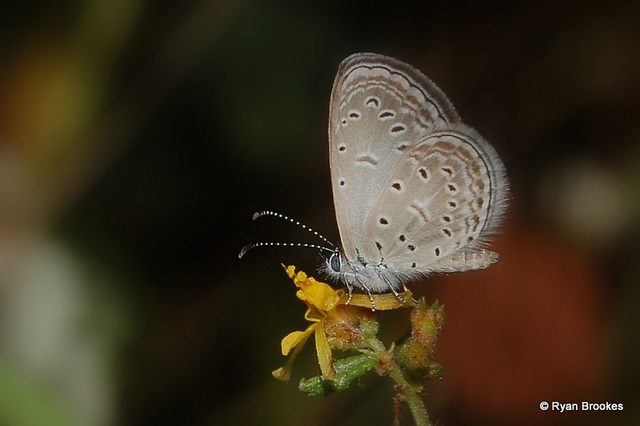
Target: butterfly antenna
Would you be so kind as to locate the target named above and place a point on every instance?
(322, 249)
(257, 215)
(248, 247)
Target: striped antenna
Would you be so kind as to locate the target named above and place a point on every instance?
(248, 247)
(259, 214)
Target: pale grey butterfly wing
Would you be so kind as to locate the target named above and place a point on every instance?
(439, 204)
(380, 108)
(415, 190)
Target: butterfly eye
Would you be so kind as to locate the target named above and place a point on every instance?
(335, 261)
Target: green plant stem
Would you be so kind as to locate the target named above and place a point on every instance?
(409, 390)
(410, 393)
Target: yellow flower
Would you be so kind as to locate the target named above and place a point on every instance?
(322, 301)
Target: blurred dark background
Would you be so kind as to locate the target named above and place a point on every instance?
(138, 138)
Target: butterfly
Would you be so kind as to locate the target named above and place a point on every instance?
(416, 191)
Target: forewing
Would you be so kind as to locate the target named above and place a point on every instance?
(380, 110)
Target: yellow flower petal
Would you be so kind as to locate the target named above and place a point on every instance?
(293, 341)
(291, 270)
(300, 277)
(295, 338)
(282, 373)
(325, 358)
(383, 301)
(322, 296)
(315, 293)
(314, 314)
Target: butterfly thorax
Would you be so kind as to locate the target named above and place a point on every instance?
(372, 277)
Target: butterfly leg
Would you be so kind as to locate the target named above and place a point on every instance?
(350, 290)
(395, 292)
(368, 290)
